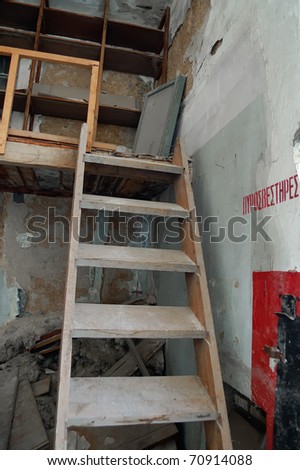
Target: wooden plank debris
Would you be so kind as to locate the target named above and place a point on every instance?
(41, 387)
(27, 430)
(127, 366)
(137, 357)
(8, 393)
(48, 343)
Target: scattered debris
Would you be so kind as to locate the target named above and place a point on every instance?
(48, 343)
(29, 366)
(49, 371)
(21, 334)
(138, 358)
(25, 352)
(27, 430)
(124, 437)
(8, 393)
(128, 366)
(41, 387)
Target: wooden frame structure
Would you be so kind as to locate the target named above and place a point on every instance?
(16, 55)
(120, 46)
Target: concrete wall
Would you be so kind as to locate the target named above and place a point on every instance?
(238, 126)
(37, 270)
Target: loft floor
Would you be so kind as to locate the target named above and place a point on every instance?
(46, 170)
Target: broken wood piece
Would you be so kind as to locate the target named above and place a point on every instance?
(41, 387)
(49, 338)
(127, 366)
(27, 430)
(138, 358)
(8, 393)
(137, 437)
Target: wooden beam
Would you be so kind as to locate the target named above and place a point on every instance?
(33, 64)
(104, 146)
(92, 135)
(37, 192)
(8, 101)
(93, 97)
(42, 136)
(46, 57)
(20, 154)
(34, 137)
(164, 75)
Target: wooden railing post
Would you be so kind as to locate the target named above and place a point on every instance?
(164, 74)
(8, 101)
(93, 102)
(33, 65)
(93, 132)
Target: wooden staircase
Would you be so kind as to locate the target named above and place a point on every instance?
(107, 401)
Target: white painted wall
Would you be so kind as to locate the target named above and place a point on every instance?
(238, 125)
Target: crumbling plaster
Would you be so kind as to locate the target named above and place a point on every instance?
(38, 269)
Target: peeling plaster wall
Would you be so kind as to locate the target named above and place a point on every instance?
(36, 270)
(238, 126)
(179, 11)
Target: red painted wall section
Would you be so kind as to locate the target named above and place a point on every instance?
(267, 286)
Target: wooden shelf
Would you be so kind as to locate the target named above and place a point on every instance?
(80, 26)
(74, 109)
(116, 58)
(130, 48)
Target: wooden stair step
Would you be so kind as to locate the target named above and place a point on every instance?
(124, 257)
(114, 401)
(135, 321)
(133, 206)
(137, 163)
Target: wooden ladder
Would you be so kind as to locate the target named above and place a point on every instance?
(109, 401)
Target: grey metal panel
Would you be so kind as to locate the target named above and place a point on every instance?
(158, 120)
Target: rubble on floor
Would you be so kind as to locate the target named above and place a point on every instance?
(29, 348)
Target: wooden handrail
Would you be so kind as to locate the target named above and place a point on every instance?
(47, 57)
(8, 101)
(33, 64)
